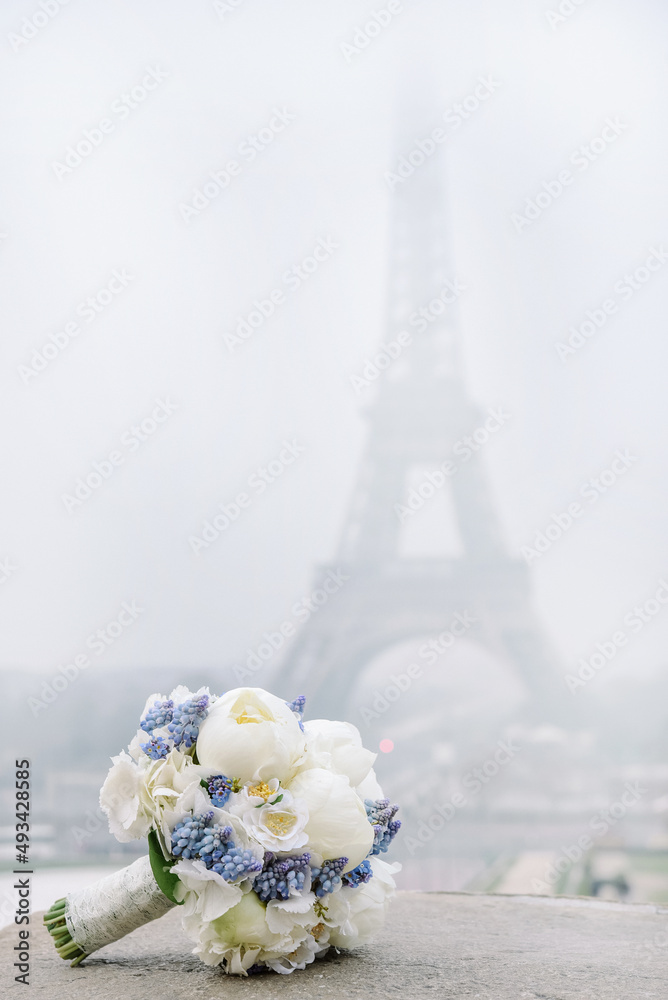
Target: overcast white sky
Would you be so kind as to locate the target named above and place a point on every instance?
(323, 176)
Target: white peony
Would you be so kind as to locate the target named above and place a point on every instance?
(337, 746)
(272, 815)
(363, 909)
(370, 788)
(251, 735)
(337, 821)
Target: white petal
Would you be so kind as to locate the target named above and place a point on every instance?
(204, 891)
(283, 914)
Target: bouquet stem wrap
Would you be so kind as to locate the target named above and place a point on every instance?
(106, 911)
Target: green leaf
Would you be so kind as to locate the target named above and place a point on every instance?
(161, 868)
(277, 799)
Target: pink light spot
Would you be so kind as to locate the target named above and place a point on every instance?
(386, 746)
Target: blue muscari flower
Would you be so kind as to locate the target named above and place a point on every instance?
(213, 842)
(363, 873)
(160, 714)
(235, 863)
(189, 834)
(328, 877)
(297, 706)
(385, 827)
(220, 788)
(188, 717)
(279, 878)
(156, 747)
(382, 838)
(197, 837)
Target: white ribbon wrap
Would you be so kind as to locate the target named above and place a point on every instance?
(114, 906)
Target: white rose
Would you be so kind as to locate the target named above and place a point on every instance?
(337, 825)
(272, 815)
(338, 747)
(251, 735)
(124, 799)
(366, 907)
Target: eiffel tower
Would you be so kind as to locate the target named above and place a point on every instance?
(420, 411)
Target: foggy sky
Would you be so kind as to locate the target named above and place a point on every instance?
(162, 337)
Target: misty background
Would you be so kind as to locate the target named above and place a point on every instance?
(222, 74)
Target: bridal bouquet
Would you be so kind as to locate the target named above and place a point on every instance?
(266, 829)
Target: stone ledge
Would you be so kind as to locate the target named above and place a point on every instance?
(445, 946)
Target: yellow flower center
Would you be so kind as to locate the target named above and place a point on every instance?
(279, 823)
(316, 931)
(262, 790)
(245, 718)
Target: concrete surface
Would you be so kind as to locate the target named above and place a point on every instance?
(436, 945)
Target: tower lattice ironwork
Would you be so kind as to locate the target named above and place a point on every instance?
(420, 411)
